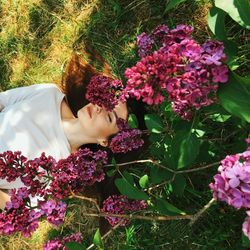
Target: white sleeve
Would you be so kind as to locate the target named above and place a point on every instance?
(15, 95)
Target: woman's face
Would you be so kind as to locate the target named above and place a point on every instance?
(98, 123)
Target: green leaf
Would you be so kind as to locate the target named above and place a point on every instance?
(231, 50)
(154, 123)
(219, 117)
(111, 172)
(158, 175)
(185, 149)
(132, 121)
(172, 4)
(179, 184)
(216, 22)
(166, 208)
(237, 9)
(127, 187)
(245, 241)
(74, 246)
(234, 96)
(97, 240)
(143, 181)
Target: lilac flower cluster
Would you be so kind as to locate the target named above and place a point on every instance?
(54, 211)
(232, 183)
(105, 92)
(175, 64)
(126, 139)
(80, 169)
(121, 205)
(57, 243)
(17, 217)
(45, 178)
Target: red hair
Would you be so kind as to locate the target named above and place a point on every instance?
(77, 75)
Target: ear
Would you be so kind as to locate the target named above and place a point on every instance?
(103, 142)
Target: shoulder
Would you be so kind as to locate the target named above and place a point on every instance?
(49, 87)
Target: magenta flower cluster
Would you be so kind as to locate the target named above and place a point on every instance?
(232, 183)
(17, 217)
(127, 139)
(105, 92)
(80, 169)
(57, 243)
(172, 63)
(121, 205)
(45, 178)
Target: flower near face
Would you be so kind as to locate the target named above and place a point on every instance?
(126, 139)
(105, 92)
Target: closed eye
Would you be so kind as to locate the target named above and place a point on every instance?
(110, 119)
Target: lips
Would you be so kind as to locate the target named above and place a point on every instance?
(89, 112)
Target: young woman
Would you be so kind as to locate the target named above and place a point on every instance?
(44, 118)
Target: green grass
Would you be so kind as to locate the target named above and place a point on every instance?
(37, 37)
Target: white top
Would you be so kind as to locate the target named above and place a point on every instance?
(30, 121)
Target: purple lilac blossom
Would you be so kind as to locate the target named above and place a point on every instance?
(56, 244)
(115, 204)
(105, 91)
(54, 211)
(17, 217)
(80, 169)
(126, 140)
(145, 44)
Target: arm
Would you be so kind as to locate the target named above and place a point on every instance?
(3, 199)
(15, 95)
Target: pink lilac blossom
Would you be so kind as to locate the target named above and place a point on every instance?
(57, 243)
(105, 91)
(115, 204)
(246, 225)
(189, 73)
(232, 183)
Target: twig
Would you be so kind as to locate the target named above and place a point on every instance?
(162, 166)
(199, 213)
(141, 217)
(73, 195)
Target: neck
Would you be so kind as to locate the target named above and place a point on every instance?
(75, 134)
